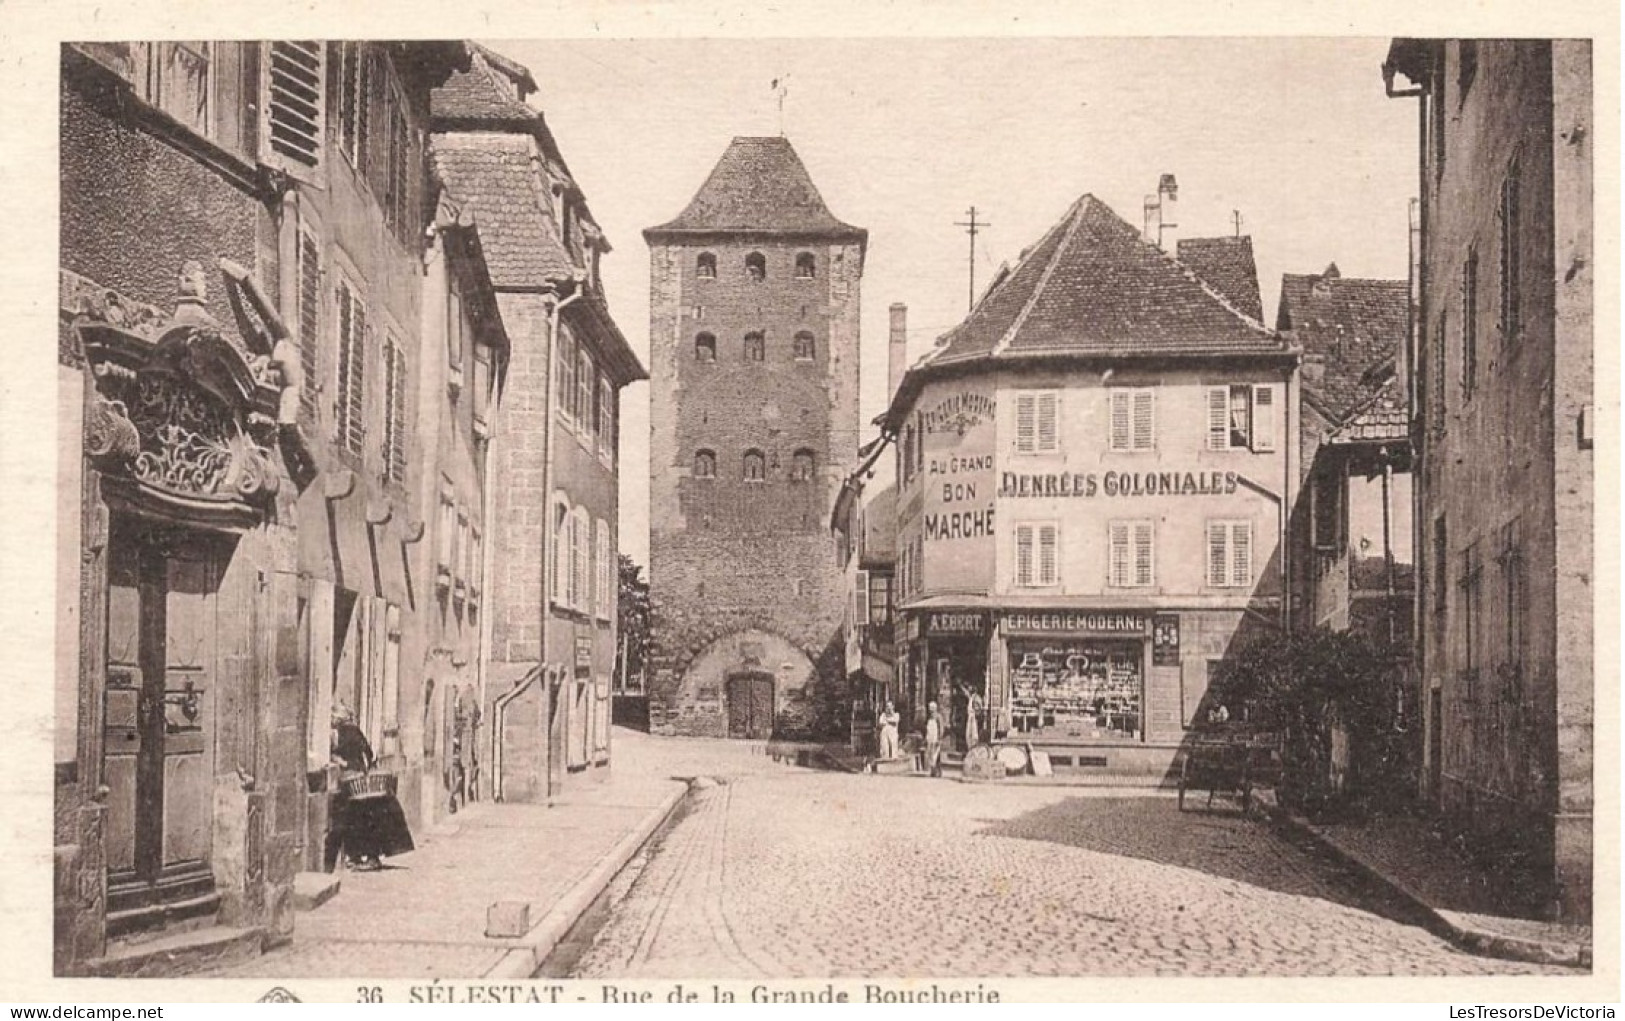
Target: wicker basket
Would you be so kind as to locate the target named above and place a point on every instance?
(369, 785)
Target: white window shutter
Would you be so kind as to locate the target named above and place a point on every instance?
(1218, 418)
(561, 553)
(1118, 558)
(1026, 422)
(1143, 569)
(293, 108)
(1241, 553)
(1217, 561)
(1048, 427)
(1265, 416)
(1121, 435)
(1024, 554)
(1047, 566)
(1145, 420)
(861, 596)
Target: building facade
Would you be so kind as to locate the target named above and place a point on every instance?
(1351, 530)
(240, 332)
(754, 300)
(1502, 431)
(553, 440)
(1094, 471)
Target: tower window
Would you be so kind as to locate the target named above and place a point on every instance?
(756, 266)
(755, 466)
(705, 267)
(801, 466)
(705, 348)
(804, 346)
(705, 464)
(806, 266)
(755, 347)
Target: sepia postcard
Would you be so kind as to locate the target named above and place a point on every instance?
(893, 504)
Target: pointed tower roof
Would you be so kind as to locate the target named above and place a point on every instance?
(759, 186)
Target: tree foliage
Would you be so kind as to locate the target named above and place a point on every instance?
(635, 613)
(1304, 685)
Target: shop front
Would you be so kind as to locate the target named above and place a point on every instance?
(945, 660)
(1073, 676)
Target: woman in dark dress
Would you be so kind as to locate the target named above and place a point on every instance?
(373, 825)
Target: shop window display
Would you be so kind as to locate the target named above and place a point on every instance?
(1090, 691)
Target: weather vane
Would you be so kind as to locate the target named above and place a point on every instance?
(781, 88)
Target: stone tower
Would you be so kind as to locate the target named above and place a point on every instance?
(753, 329)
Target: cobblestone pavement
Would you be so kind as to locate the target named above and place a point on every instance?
(792, 874)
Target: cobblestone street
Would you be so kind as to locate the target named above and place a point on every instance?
(776, 872)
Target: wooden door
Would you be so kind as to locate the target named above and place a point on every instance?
(750, 706)
(158, 759)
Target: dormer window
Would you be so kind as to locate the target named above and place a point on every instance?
(756, 266)
(806, 266)
(705, 267)
(755, 347)
(705, 348)
(804, 347)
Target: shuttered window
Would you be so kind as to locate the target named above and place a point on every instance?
(476, 565)
(350, 80)
(1266, 421)
(1037, 554)
(582, 595)
(1218, 418)
(394, 411)
(604, 598)
(565, 367)
(351, 410)
(1244, 416)
(561, 553)
(1230, 554)
(293, 108)
(1133, 419)
(310, 321)
(1129, 562)
(606, 417)
(586, 386)
(1037, 428)
(1511, 216)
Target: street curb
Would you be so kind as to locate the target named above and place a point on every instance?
(1470, 938)
(524, 959)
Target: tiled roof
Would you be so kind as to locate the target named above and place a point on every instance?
(479, 95)
(1092, 286)
(1226, 263)
(759, 185)
(1347, 328)
(1381, 417)
(492, 176)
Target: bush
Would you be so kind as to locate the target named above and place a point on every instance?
(1298, 685)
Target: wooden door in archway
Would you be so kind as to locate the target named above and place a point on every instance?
(750, 705)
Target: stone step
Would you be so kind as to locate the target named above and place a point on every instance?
(178, 953)
(313, 889)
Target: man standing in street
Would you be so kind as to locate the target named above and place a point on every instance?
(933, 740)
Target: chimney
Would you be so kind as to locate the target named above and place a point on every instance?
(897, 349)
(1162, 215)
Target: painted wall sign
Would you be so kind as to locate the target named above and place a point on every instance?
(955, 624)
(1165, 639)
(958, 412)
(1017, 484)
(1066, 622)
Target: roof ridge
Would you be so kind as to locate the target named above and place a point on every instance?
(1073, 220)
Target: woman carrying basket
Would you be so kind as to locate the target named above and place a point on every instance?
(371, 823)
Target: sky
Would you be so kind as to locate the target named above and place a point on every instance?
(902, 136)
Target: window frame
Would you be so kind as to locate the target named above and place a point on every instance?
(1221, 434)
(806, 266)
(1034, 531)
(701, 345)
(705, 266)
(755, 347)
(350, 368)
(1032, 444)
(804, 346)
(1131, 529)
(756, 267)
(799, 473)
(760, 458)
(1228, 563)
(708, 458)
(1129, 398)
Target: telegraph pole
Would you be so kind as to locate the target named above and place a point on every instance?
(971, 227)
